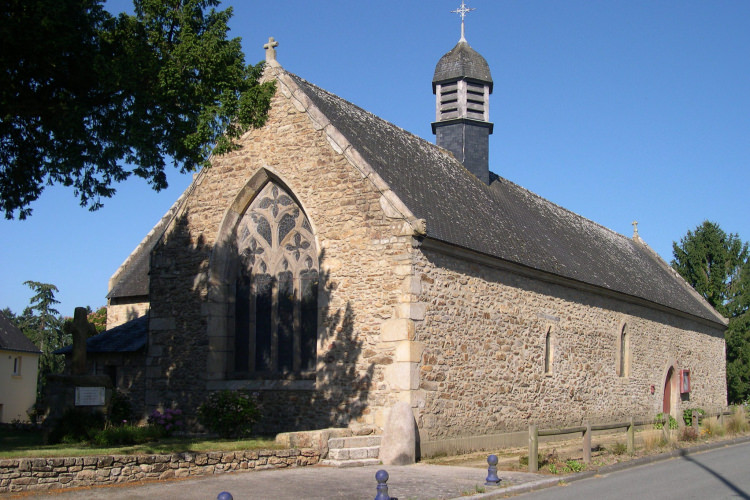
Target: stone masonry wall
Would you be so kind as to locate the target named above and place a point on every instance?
(483, 341)
(33, 474)
(361, 248)
(119, 313)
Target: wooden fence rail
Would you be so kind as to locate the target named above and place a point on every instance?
(586, 429)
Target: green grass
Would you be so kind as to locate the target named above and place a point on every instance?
(30, 444)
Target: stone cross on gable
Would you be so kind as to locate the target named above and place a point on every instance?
(271, 49)
(635, 228)
(462, 11)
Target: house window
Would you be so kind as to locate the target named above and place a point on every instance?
(549, 350)
(623, 368)
(276, 306)
(17, 366)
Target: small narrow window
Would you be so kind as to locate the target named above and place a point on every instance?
(624, 361)
(17, 366)
(548, 352)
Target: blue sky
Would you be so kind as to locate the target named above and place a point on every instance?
(619, 111)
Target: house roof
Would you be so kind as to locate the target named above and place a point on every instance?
(503, 220)
(13, 339)
(127, 337)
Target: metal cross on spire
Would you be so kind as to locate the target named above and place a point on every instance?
(462, 11)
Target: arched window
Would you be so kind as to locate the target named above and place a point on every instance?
(276, 308)
(548, 352)
(623, 369)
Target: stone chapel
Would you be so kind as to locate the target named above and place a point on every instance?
(336, 264)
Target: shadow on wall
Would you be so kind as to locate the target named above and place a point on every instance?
(179, 346)
(342, 380)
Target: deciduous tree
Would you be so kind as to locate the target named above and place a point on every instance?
(88, 99)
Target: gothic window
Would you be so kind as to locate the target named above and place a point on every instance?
(276, 312)
(548, 352)
(623, 368)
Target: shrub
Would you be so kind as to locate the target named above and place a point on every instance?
(76, 425)
(619, 449)
(688, 434)
(659, 421)
(687, 415)
(229, 413)
(169, 421)
(737, 421)
(120, 410)
(127, 434)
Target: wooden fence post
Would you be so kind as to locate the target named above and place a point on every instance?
(695, 420)
(587, 444)
(631, 436)
(533, 448)
(665, 427)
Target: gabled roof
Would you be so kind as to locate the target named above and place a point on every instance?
(13, 339)
(131, 278)
(503, 220)
(127, 337)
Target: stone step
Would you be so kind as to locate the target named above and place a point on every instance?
(354, 442)
(350, 463)
(353, 453)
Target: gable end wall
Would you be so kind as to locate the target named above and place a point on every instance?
(365, 259)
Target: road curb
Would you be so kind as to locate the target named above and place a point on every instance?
(501, 492)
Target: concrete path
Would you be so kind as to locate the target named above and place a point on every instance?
(412, 482)
(407, 482)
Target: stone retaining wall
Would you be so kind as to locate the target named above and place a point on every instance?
(26, 474)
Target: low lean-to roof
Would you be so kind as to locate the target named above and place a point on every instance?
(13, 339)
(503, 220)
(127, 337)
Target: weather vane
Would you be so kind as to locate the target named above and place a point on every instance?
(462, 11)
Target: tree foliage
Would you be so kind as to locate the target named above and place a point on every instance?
(98, 318)
(87, 98)
(717, 265)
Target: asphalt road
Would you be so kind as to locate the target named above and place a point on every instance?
(722, 473)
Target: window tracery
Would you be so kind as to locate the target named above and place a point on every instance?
(277, 288)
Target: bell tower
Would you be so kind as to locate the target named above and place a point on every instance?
(462, 85)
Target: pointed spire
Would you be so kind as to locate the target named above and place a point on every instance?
(462, 11)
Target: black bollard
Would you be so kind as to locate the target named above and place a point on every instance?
(492, 479)
(381, 477)
(225, 495)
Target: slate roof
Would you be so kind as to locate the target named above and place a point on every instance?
(128, 337)
(462, 62)
(131, 279)
(503, 220)
(13, 339)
